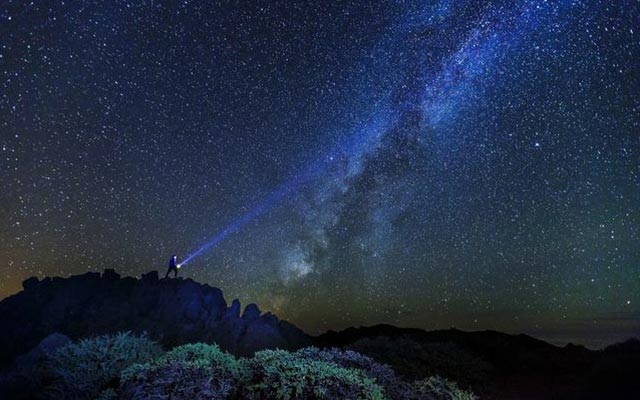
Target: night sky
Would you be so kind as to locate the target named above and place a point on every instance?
(427, 164)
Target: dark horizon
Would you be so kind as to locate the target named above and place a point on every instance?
(576, 334)
(428, 164)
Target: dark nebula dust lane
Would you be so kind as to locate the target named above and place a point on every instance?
(425, 164)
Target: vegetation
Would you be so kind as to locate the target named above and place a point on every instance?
(128, 367)
(278, 374)
(394, 387)
(82, 370)
(192, 371)
(441, 388)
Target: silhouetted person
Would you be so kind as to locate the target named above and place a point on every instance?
(173, 266)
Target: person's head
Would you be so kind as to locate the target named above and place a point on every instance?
(174, 256)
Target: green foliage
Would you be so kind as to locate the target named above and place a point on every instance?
(440, 389)
(81, 370)
(107, 394)
(192, 371)
(394, 387)
(203, 354)
(278, 374)
(129, 367)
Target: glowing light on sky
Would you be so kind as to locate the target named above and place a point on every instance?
(430, 164)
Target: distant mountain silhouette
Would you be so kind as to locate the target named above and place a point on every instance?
(170, 311)
(498, 365)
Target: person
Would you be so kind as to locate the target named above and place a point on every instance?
(173, 266)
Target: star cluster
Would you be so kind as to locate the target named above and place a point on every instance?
(452, 163)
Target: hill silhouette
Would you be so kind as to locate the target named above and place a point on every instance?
(495, 365)
(170, 311)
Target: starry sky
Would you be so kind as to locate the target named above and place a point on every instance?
(430, 164)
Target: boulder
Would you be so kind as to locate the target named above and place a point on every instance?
(45, 348)
(24, 379)
(251, 312)
(234, 310)
(151, 276)
(30, 283)
(110, 273)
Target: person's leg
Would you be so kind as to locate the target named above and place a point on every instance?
(175, 272)
(167, 274)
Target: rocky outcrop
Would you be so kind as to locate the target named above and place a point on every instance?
(23, 379)
(170, 311)
(44, 349)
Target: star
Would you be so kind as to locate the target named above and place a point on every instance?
(444, 158)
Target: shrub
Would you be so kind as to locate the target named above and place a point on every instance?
(82, 370)
(441, 389)
(209, 354)
(192, 371)
(96, 368)
(278, 374)
(107, 394)
(394, 387)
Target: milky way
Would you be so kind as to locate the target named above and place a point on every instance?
(429, 164)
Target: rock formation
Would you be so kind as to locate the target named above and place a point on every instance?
(170, 311)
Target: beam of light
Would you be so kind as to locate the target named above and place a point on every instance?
(266, 204)
(442, 97)
(359, 142)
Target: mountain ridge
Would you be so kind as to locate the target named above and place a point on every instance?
(498, 365)
(171, 311)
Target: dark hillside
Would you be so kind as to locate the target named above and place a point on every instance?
(497, 365)
(171, 311)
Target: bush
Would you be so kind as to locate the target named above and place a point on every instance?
(192, 371)
(278, 374)
(208, 354)
(107, 394)
(441, 389)
(82, 370)
(394, 387)
(128, 367)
